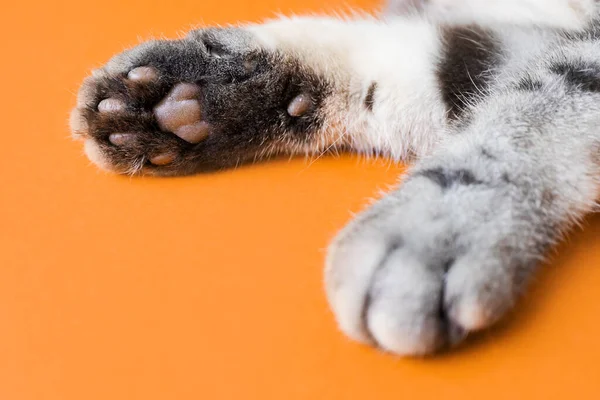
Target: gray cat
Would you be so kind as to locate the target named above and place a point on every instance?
(498, 101)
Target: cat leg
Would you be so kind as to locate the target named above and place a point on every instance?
(223, 97)
(451, 250)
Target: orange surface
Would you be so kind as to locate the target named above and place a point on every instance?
(210, 286)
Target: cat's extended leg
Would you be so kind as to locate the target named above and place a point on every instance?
(222, 97)
(566, 14)
(450, 251)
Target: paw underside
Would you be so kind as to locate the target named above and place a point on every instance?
(194, 105)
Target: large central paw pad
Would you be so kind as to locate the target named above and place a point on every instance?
(180, 113)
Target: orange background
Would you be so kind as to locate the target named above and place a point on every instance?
(210, 286)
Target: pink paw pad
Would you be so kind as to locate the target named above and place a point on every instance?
(143, 74)
(111, 105)
(181, 114)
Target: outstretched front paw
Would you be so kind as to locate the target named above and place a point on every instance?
(445, 255)
(213, 100)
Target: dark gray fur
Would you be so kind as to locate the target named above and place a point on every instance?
(244, 95)
(370, 97)
(471, 54)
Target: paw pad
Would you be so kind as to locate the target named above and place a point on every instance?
(163, 159)
(300, 105)
(143, 74)
(111, 105)
(180, 113)
(121, 139)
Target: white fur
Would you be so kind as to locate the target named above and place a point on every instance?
(399, 53)
(567, 14)
(399, 56)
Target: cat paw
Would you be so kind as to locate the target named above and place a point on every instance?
(445, 255)
(213, 100)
